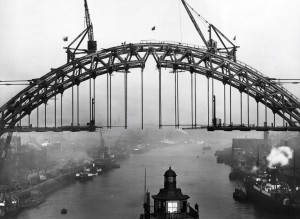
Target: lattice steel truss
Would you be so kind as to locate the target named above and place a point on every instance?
(177, 56)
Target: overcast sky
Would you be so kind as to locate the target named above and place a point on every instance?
(267, 31)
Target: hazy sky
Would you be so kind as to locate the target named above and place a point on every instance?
(267, 31)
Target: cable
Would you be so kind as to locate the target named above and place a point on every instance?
(180, 21)
(204, 21)
(294, 82)
(286, 79)
(8, 84)
(15, 81)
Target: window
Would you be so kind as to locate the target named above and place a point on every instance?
(172, 207)
(170, 179)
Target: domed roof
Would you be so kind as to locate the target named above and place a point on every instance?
(170, 173)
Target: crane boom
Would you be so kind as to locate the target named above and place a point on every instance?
(92, 44)
(88, 21)
(194, 22)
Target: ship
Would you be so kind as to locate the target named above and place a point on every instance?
(247, 156)
(270, 190)
(106, 161)
(169, 202)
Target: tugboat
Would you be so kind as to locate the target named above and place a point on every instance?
(240, 194)
(169, 202)
(270, 190)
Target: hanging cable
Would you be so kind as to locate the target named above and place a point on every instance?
(16, 81)
(8, 84)
(204, 21)
(180, 21)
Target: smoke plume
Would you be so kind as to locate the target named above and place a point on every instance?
(279, 156)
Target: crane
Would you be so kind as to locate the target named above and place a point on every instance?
(194, 22)
(91, 44)
(212, 44)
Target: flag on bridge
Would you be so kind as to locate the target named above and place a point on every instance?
(153, 28)
(65, 38)
(234, 38)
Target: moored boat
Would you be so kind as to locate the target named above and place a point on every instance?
(33, 200)
(240, 195)
(271, 191)
(84, 176)
(107, 161)
(94, 170)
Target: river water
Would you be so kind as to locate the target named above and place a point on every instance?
(119, 193)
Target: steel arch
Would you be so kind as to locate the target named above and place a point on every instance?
(177, 56)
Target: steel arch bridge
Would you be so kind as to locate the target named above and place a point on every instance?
(176, 56)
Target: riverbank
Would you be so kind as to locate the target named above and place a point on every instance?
(50, 185)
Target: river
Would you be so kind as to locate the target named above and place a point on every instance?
(119, 193)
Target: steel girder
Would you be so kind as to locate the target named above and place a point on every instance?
(177, 56)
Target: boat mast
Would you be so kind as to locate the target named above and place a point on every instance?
(145, 187)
